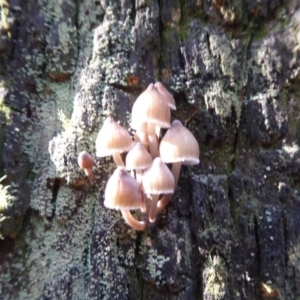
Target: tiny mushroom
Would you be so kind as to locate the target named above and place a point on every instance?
(157, 179)
(178, 146)
(113, 139)
(139, 159)
(151, 108)
(124, 193)
(86, 162)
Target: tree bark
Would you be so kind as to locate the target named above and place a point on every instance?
(232, 228)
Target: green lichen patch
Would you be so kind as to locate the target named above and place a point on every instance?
(5, 110)
(220, 100)
(214, 278)
(154, 265)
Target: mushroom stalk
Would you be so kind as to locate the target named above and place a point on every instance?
(137, 139)
(118, 160)
(176, 167)
(152, 213)
(89, 173)
(131, 221)
(139, 176)
(153, 145)
(162, 203)
(143, 202)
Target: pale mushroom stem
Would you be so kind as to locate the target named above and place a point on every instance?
(153, 145)
(176, 167)
(143, 202)
(141, 135)
(162, 203)
(153, 208)
(131, 221)
(118, 159)
(89, 173)
(139, 177)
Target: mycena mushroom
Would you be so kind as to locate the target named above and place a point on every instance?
(157, 180)
(178, 146)
(86, 162)
(151, 108)
(123, 193)
(113, 139)
(138, 159)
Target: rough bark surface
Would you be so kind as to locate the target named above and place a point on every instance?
(232, 230)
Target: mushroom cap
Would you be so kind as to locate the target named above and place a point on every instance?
(166, 94)
(179, 145)
(158, 179)
(138, 158)
(112, 138)
(85, 160)
(150, 107)
(122, 191)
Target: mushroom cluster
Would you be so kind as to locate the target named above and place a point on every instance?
(143, 181)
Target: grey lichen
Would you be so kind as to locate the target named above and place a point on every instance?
(216, 97)
(212, 56)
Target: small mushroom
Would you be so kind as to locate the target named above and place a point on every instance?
(178, 146)
(124, 193)
(157, 180)
(86, 162)
(151, 108)
(139, 159)
(113, 139)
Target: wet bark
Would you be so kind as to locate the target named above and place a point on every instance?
(232, 228)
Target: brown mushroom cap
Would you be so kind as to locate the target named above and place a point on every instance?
(122, 191)
(138, 158)
(158, 179)
(85, 160)
(166, 94)
(112, 138)
(179, 145)
(150, 107)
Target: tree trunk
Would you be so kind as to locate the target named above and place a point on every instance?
(232, 228)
